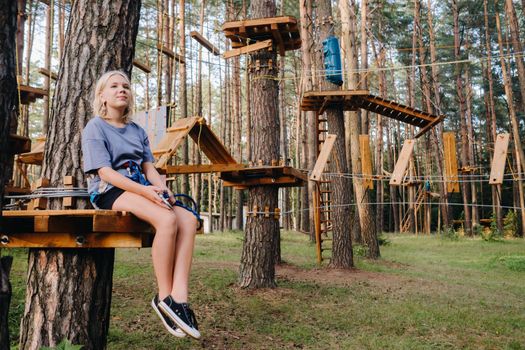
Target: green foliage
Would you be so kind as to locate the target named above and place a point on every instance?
(450, 234)
(477, 230)
(360, 250)
(514, 262)
(510, 224)
(383, 240)
(64, 345)
(493, 234)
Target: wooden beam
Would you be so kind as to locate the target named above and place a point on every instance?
(142, 66)
(278, 38)
(248, 48)
(283, 181)
(322, 159)
(202, 168)
(402, 163)
(366, 161)
(258, 22)
(204, 42)
(51, 75)
(497, 168)
(72, 240)
(451, 162)
(170, 53)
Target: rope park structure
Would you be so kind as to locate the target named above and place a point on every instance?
(272, 191)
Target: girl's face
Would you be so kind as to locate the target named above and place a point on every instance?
(116, 93)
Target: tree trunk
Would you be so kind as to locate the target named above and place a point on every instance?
(437, 135)
(342, 243)
(514, 122)
(257, 268)
(310, 145)
(363, 84)
(69, 291)
(465, 189)
(8, 114)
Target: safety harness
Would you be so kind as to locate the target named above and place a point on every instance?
(136, 175)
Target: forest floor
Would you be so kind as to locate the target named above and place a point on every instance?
(424, 293)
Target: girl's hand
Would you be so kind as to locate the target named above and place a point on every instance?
(152, 193)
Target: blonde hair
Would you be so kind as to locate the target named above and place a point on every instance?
(99, 107)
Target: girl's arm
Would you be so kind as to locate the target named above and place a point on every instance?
(118, 180)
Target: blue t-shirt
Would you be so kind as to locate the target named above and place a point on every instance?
(105, 145)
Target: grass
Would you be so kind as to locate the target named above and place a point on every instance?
(425, 293)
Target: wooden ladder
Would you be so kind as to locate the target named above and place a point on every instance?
(323, 200)
(420, 198)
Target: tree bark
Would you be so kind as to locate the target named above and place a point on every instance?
(69, 291)
(8, 114)
(520, 158)
(257, 269)
(310, 145)
(342, 256)
(363, 84)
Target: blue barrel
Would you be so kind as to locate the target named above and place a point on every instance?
(332, 60)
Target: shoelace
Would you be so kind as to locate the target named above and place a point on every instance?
(190, 315)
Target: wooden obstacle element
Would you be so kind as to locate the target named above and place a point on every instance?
(86, 228)
(170, 54)
(497, 168)
(352, 100)
(276, 176)
(366, 161)
(205, 42)
(248, 48)
(47, 73)
(154, 122)
(283, 33)
(36, 154)
(200, 133)
(451, 162)
(322, 159)
(18, 144)
(29, 94)
(402, 163)
(142, 66)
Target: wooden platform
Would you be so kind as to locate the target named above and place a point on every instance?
(29, 94)
(19, 144)
(352, 100)
(277, 176)
(86, 228)
(283, 31)
(36, 155)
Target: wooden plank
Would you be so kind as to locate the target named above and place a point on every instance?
(47, 73)
(37, 153)
(73, 212)
(19, 144)
(366, 161)
(322, 159)
(205, 42)
(72, 240)
(402, 163)
(122, 224)
(283, 181)
(451, 162)
(170, 53)
(202, 168)
(173, 138)
(259, 22)
(210, 144)
(278, 38)
(497, 168)
(142, 66)
(248, 48)
(71, 224)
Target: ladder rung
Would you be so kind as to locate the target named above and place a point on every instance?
(326, 191)
(322, 120)
(322, 130)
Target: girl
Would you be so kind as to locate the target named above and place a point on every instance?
(121, 176)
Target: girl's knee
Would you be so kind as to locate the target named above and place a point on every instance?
(167, 222)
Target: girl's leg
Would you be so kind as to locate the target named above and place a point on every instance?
(165, 223)
(187, 226)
